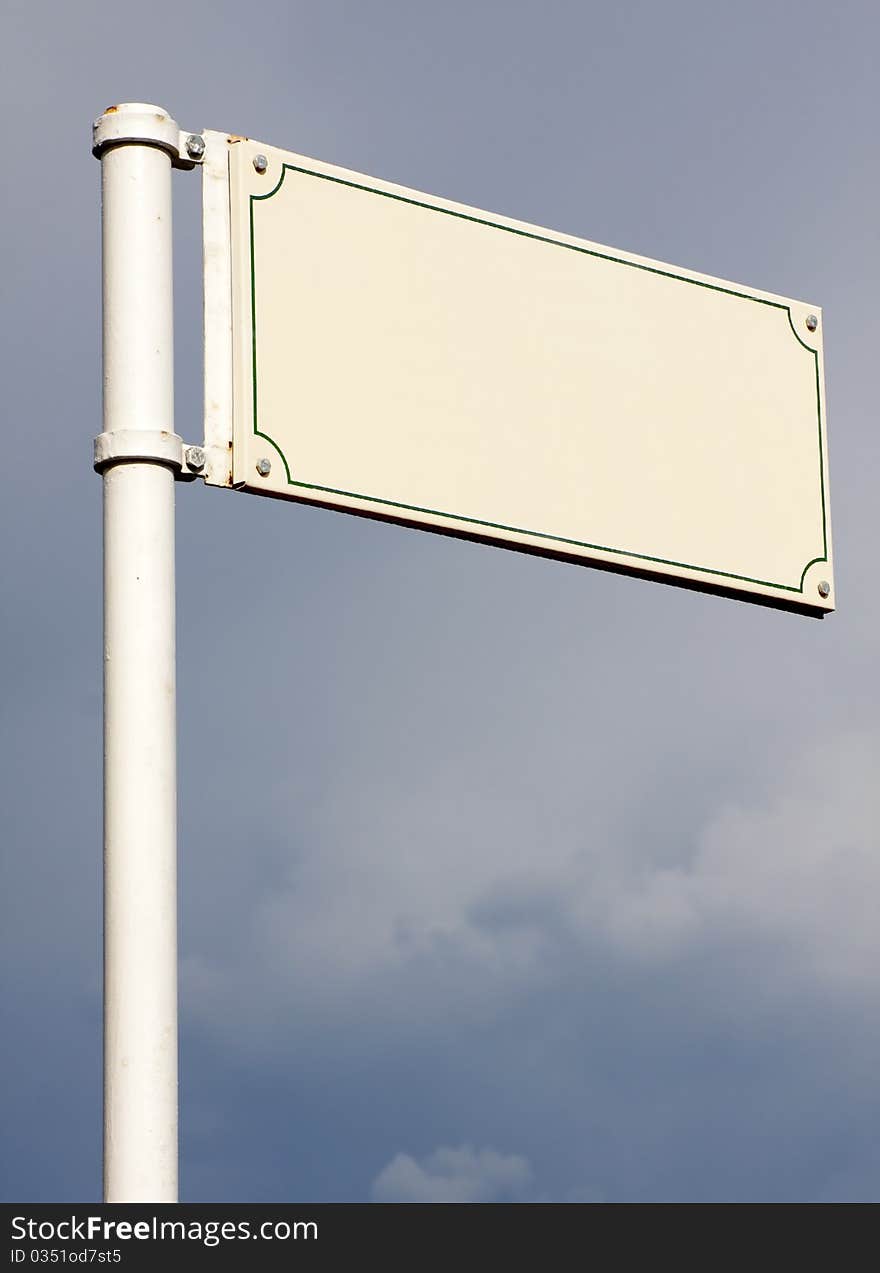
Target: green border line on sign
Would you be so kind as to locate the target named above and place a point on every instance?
(572, 247)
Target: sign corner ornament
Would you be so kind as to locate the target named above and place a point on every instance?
(400, 356)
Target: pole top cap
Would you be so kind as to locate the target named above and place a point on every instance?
(136, 122)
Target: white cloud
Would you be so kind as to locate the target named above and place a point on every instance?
(799, 871)
(453, 1175)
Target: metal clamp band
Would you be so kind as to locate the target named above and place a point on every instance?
(130, 445)
(146, 125)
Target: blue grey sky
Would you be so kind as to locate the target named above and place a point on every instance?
(501, 879)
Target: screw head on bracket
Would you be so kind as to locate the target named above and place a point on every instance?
(824, 588)
(261, 163)
(264, 467)
(812, 322)
(195, 458)
(195, 146)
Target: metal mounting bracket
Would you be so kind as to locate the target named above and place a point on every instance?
(156, 446)
(147, 125)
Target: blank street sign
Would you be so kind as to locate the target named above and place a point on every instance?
(400, 356)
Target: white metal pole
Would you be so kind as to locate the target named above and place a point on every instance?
(137, 454)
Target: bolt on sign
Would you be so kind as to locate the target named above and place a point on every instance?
(400, 356)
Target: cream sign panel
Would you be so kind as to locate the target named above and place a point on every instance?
(400, 356)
